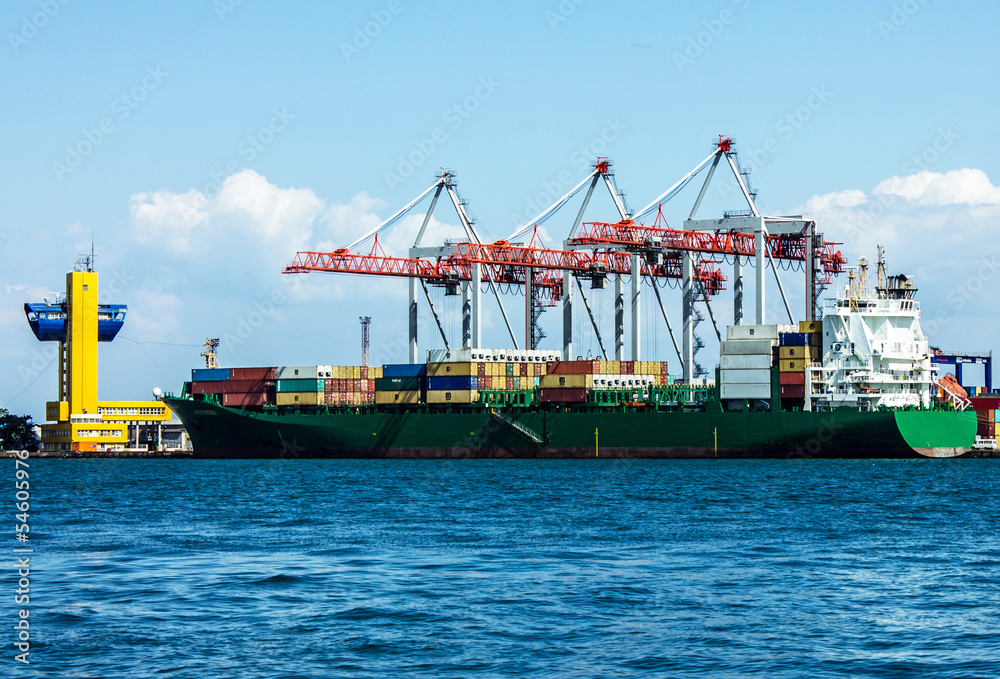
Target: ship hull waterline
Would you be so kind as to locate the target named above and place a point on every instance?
(220, 432)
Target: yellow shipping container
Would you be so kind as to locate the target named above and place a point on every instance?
(300, 398)
(794, 365)
(792, 352)
(452, 369)
(396, 397)
(378, 372)
(452, 396)
(811, 326)
(566, 381)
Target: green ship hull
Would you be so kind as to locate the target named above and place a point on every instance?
(479, 432)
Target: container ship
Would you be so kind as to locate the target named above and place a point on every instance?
(859, 383)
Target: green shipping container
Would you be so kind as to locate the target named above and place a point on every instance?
(399, 384)
(301, 385)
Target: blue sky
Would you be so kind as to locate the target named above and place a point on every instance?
(214, 139)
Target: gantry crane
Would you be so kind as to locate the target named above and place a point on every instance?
(596, 251)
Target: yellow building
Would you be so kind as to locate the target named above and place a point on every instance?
(78, 421)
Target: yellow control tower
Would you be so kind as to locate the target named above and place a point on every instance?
(77, 421)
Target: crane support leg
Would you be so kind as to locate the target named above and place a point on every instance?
(412, 313)
(636, 315)
(687, 317)
(760, 270)
(567, 309)
(738, 291)
(477, 305)
(619, 318)
(467, 316)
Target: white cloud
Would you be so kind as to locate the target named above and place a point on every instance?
(957, 187)
(938, 227)
(847, 199)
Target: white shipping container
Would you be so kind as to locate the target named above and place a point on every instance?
(745, 361)
(751, 332)
(611, 382)
(297, 372)
(746, 391)
(450, 356)
(746, 377)
(748, 347)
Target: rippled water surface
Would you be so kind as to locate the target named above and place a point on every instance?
(488, 568)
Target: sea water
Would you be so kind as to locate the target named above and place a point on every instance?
(519, 568)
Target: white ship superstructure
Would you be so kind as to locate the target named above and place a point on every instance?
(874, 351)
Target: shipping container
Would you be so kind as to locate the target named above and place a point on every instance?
(246, 386)
(293, 372)
(811, 326)
(562, 395)
(793, 391)
(577, 367)
(209, 374)
(745, 377)
(800, 352)
(745, 391)
(793, 378)
(400, 384)
(300, 398)
(302, 385)
(566, 381)
(397, 397)
(752, 332)
(815, 339)
(207, 387)
(453, 396)
(792, 365)
(250, 400)
(452, 369)
(453, 383)
(404, 370)
(747, 347)
(745, 362)
(253, 374)
(796, 339)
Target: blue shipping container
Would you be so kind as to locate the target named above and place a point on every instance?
(794, 339)
(404, 370)
(209, 374)
(452, 383)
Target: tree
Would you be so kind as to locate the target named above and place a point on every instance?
(16, 432)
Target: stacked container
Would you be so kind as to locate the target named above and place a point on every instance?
(236, 387)
(401, 383)
(745, 361)
(351, 385)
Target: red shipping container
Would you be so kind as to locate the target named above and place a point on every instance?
(628, 367)
(253, 373)
(364, 372)
(523, 370)
(566, 395)
(793, 391)
(242, 386)
(254, 400)
(793, 378)
(481, 369)
(371, 385)
(571, 368)
(207, 387)
(986, 429)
